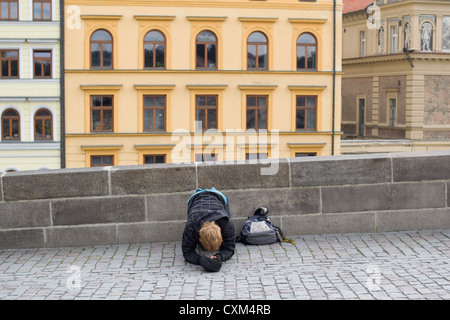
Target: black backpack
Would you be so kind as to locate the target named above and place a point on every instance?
(258, 230)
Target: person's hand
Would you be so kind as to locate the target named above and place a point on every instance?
(213, 257)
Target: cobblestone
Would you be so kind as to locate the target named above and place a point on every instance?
(394, 265)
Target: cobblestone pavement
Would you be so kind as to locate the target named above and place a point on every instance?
(394, 265)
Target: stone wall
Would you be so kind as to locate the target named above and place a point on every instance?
(313, 195)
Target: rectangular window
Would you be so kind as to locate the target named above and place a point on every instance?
(101, 113)
(42, 9)
(306, 112)
(392, 111)
(9, 60)
(257, 112)
(42, 64)
(394, 33)
(154, 158)
(154, 113)
(363, 43)
(205, 112)
(9, 10)
(102, 161)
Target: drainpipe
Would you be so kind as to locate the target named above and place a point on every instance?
(334, 77)
(62, 85)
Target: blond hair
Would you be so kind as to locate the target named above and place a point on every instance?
(210, 236)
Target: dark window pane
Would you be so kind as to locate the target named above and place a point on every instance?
(47, 68)
(148, 55)
(200, 116)
(37, 68)
(14, 68)
(251, 101)
(107, 55)
(15, 129)
(159, 119)
(96, 101)
(39, 129)
(212, 119)
(311, 101)
(107, 101)
(107, 160)
(200, 61)
(200, 101)
(251, 56)
(211, 101)
(96, 160)
(95, 55)
(107, 120)
(311, 119)
(148, 120)
(262, 57)
(301, 101)
(311, 57)
(251, 119)
(96, 120)
(301, 59)
(262, 101)
(160, 56)
(300, 119)
(5, 127)
(211, 55)
(48, 129)
(262, 119)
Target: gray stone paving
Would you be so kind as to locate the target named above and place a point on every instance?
(394, 265)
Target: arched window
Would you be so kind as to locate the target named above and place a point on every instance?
(43, 129)
(257, 51)
(306, 52)
(101, 49)
(206, 50)
(10, 125)
(154, 50)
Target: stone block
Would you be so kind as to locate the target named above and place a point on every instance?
(413, 220)
(49, 184)
(243, 175)
(328, 223)
(161, 231)
(170, 206)
(85, 235)
(98, 210)
(25, 238)
(340, 170)
(383, 197)
(24, 214)
(148, 179)
(283, 201)
(420, 166)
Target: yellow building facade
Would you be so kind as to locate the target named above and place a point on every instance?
(29, 85)
(192, 80)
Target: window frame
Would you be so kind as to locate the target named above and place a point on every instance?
(306, 108)
(306, 46)
(258, 45)
(205, 44)
(42, 64)
(101, 42)
(41, 2)
(10, 119)
(9, 59)
(154, 44)
(43, 119)
(101, 108)
(256, 108)
(206, 107)
(102, 156)
(9, 10)
(154, 158)
(154, 108)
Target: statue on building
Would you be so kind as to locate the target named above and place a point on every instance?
(380, 40)
(426, 37)
(407, 36)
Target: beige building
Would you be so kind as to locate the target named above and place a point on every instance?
(168, 81)
(396, 63)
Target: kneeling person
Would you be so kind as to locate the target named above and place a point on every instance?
(208, 238)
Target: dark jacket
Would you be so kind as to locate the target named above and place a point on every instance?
(204, 207)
